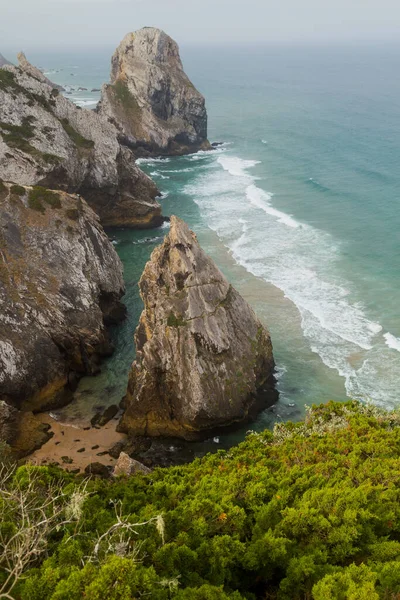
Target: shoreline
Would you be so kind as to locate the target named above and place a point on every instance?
(69, 440)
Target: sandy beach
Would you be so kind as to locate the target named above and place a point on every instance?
(81, 446)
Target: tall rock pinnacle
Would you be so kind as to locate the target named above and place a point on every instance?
(151, 100)
(203, 360)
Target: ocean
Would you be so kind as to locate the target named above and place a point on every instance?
(299, 207)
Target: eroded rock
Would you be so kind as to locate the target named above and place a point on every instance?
(46, 140)
(59, 278)
(26, 66)
(150, 98)
(203, 359)
(129, 466)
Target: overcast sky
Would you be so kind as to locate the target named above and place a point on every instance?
(41, 24)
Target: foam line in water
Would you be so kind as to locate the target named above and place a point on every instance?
(303, 262)
(158, 174)
(152, 161)
(237, 166)
(392, 341)
(261, 199)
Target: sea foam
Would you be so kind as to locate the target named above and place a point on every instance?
(392, 341)
(300, 260)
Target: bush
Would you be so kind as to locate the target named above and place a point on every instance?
(39, 196)
(311, 510)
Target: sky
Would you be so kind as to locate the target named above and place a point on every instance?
(45, 24)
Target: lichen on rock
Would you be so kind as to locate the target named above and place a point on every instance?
(203, 360)
(151, 100)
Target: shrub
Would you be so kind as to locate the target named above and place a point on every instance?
(39, 196)
(309, 511)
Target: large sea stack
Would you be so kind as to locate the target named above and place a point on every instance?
(60, 286)
(150, 98)
(46, 140)
(203, 360)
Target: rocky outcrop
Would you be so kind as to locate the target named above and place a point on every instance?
(150, 98)
(203, 359)
(34, 72)
(60, 286)
(128, 466)
(4, 61)
(46, 140)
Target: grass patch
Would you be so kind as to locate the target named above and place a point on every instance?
(39, 196)
(18, 190)
(76, 137)
(127, 100)
(174, 321)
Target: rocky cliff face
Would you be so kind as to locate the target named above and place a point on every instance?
(151, 100)
(26, 66)
(46, 140)
(60, 285)
(203, 358)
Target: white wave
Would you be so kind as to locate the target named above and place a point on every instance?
(300, 260)
(164, 195)
(237, 166)
(83, 103)
(264, 142)
(165, 225)
(158, 174)
(392, 341)
(152, 161)
(115, 242)
(261, 199)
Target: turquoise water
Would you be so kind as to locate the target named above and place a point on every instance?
(300, 209)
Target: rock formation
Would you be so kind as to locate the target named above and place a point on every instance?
(46, 140)
(26, 66)
(60, 285)
(203, 358)
(128, 466)
(4, 61)
(151, 100)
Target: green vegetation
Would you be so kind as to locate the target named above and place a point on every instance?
(18, 190)
(39, 196)
(7, 81)
(310, 511)
(174, 321)
(18, 136)
(126, 100)
(76, 137)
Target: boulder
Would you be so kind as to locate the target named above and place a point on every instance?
(203, 358)
(60, 278)
(151, 100)
(46, 140)
(129, 466)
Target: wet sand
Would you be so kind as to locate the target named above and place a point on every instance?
(68, 439)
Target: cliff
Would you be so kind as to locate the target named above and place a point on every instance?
(151, 100)
(26, 66)
(60, 285)
(46, 140)
(203, 358)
